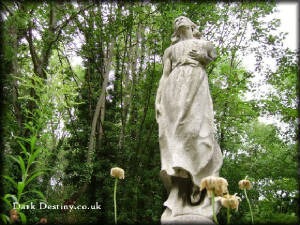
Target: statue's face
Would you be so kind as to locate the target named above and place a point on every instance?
(182, 21)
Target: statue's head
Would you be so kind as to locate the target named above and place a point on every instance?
(183, 21)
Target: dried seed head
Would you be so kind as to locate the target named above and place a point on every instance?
(14, 218)
(13, 212)
(245, 184)
(230, 201)
(43, 220)
(117, 172)
(218, 185)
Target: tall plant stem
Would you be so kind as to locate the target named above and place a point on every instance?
(228, 215)
(213, 207)
(249, 205)
(115, 199)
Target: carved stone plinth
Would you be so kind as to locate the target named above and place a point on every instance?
(185, 219)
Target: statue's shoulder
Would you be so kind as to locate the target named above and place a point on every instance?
(168, 51)
(205, 43)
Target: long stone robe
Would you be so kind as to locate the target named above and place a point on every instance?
(186, 129)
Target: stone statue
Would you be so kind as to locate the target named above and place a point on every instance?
(184, 112)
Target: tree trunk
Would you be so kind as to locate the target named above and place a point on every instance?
(15, 94)
(128, 99)
(100, 104)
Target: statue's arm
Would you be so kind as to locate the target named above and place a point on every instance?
(206, 56)
(212, 53)
(167, 64)
(167, 68)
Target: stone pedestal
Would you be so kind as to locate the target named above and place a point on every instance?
(186, 219)
(168, 218)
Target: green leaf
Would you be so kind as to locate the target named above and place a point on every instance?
(11, 180)
(27, 97)
(40, 194)
(7, 202)
(14, 158)
(33, 156)
(11, 196)
(32, 142)
(23, 139)
(21, 163)
(22, 166)
(20, 189)
(37, 162)
(4, 218)
(23, 148)
(33, 177)
(23, 217)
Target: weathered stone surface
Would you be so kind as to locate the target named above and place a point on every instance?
(184, 112)
(186, 219)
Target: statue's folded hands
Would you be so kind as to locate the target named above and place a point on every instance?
(200, 56)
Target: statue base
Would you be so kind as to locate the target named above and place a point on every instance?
(186, 219)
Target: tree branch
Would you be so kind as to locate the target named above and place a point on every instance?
(34, 57)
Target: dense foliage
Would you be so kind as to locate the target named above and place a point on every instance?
(65, 125)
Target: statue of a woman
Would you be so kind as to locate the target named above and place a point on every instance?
(184, 112)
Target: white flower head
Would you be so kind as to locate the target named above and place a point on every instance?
(117, 172)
